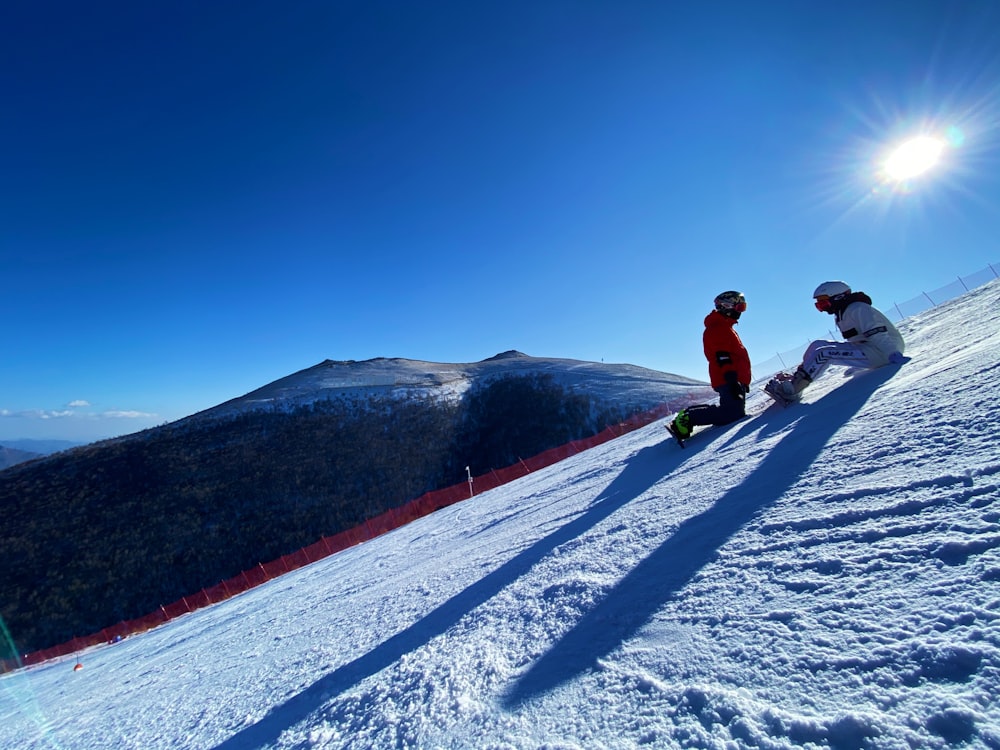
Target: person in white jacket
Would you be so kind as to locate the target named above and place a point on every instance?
(871, 340)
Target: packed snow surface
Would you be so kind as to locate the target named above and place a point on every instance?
(821, 576)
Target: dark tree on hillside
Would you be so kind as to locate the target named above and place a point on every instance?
(518, 417)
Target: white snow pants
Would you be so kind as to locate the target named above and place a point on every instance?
(822, 354)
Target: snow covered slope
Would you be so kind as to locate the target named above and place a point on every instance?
(825, 576)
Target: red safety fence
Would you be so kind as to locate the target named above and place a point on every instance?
(373, 527)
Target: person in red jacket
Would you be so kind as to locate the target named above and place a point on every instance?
(728, 369)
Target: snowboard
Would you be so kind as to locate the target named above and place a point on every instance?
(676, 435)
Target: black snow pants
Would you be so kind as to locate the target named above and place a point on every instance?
(732, 406)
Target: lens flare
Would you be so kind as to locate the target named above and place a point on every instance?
(18, 686)
(914, 158)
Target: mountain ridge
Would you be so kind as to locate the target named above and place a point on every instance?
(401, 377)
(12, 456)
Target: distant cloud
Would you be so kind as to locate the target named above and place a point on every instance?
(80, 424)
(35, 414)
(67, 413)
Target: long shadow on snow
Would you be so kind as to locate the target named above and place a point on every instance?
(642, 471)
(659, 577)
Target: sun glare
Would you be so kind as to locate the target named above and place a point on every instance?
(914, 157)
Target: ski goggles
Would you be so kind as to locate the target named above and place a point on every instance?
(824, 303)
(731, 302)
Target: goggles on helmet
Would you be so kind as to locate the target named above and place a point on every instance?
(823, 303)
(731, 301)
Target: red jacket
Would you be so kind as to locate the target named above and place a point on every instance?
(724, 350)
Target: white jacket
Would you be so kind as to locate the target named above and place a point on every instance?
(867, 327)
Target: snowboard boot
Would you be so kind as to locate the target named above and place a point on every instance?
(681, 426)
(786, 387)
(800, 379)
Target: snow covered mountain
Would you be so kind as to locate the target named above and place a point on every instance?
(823, 576)
(627, 385)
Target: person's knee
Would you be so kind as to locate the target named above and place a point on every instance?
(814, 347)
(730, 409)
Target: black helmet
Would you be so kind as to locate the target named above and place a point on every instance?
(731, 304)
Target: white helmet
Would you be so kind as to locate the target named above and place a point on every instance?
(831, 289)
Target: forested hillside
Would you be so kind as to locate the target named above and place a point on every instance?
(111, 531)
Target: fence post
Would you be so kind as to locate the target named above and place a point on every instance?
(928, 298)
(963, 284)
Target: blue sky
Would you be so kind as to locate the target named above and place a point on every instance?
(199, 198)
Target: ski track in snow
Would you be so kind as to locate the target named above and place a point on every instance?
(821, 576)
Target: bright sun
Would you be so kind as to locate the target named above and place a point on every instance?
(914, 157)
